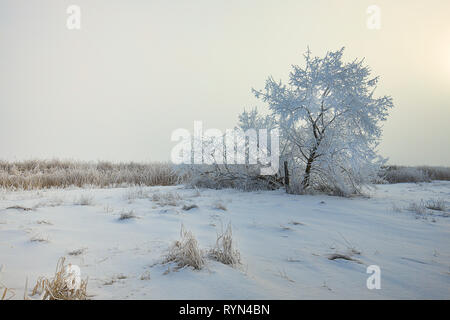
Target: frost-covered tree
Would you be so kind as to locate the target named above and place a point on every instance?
(329, 121)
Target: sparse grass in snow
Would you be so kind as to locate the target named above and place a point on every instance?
(41, 174)
(167, 198)
(39, 238)
(84, 200)
(52, 202)
(224, 250)
(185, 252)
(108, 209)
(418, 208)
(44, 222)
(283, 274)
(188, 207)
(436, 204)
(219, 205)
(136, 193)
(77, 252)
(61, 286)
(396, 208)
(5, 292)
(196, 193)
(145, 275)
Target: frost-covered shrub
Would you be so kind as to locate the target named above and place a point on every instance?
(437, 173)
(242, 177)
(397, 174)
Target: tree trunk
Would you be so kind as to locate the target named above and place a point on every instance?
(286, 176)
(306, 178)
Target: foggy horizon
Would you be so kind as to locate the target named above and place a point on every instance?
(136, 71)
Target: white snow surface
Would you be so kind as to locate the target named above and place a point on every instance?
(284, 241)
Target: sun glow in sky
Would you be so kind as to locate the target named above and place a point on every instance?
(137, 70)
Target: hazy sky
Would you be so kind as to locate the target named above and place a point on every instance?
(137, 70)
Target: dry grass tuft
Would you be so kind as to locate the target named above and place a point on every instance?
(283, 274)
(136, 193)
(145, 275)
(53, 202)
(396, 208)
(127, 215)
(59, 287)
(44, 222)
(84, 200)
(167, 198)
(77, 252)
(39, 238)
(436, 204)
(189, 207)
(418, 208)
(185, 252)
(5, 292)
(219, 205)
(224, 250)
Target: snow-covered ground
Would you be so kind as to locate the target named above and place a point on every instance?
(284, 240)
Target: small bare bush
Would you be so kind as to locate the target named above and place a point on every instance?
(224, 250)
(185, 252)
(236, 176)
(60, 286)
